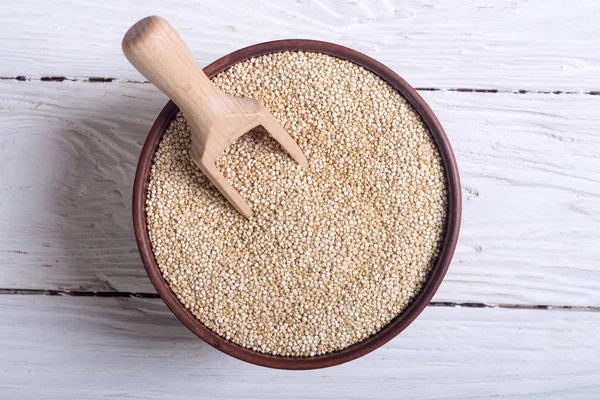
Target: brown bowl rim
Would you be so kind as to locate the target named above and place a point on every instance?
(399, 323)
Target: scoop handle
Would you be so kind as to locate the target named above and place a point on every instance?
(155, 49)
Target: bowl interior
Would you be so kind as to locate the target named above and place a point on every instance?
(397, 324)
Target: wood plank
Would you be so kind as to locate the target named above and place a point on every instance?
(530, 171)
(530, 167)
(69, 152)
(63, 347)
(501, 44)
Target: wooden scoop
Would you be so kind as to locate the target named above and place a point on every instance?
(215, 118)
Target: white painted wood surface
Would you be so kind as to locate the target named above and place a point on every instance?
(500, 44)
(89, 348)
(530, 166)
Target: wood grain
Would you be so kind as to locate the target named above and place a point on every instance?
(530, 168)
(66, 175)
(529, 163)
(88, 348)
(503, 44)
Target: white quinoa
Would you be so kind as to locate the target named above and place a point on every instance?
(332, 253)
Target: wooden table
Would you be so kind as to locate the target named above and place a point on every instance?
(515, 83)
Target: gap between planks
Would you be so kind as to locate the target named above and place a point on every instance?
(422, 89)
(146, 295)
